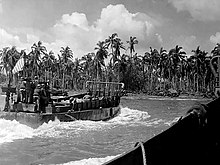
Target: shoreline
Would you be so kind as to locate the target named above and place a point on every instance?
(180, 97)
(141, 95)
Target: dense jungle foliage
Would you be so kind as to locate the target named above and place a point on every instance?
(153, 72)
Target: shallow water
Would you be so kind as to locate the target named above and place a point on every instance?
(88, 142)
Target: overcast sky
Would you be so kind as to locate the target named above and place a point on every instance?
(80, 24)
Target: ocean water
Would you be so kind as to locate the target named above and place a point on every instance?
(88, 142)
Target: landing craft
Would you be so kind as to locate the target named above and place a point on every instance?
(101, 101)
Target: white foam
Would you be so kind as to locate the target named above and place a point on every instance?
(12, 130)
(171, 122)
(128, 115)
(90, 161)
(63, 129)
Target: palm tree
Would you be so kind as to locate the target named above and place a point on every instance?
(35, 57)
(209, 76)
(118, 45)
(216, 50)
(101, 54)
(5, 60)
(9, 57)
(66, 54)
(116, 57)
(38, 49)
(162, 66)
(57, 70)
(175, 56)
(111, 41)
(48, 63)
(214, 64)
(132, 42)
(152, 58)
(86, 62)
(199, 61)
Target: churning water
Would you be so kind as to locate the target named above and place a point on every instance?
(88, 142)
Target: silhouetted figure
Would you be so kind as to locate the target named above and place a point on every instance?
(44, 98)
(28, 91)
(36, 97)
(22, 90)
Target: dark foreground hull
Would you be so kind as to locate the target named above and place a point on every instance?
(194, 139)
(36, 119)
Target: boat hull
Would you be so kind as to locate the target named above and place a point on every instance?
(37, 119)
(194, 139)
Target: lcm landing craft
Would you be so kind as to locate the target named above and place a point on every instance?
(101, 101)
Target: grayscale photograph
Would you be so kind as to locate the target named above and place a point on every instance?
(109, 82)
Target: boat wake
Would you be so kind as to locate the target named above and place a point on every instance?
(90, 161)
(171, 122)
(128, 117)
(77, 130)
(12, 130)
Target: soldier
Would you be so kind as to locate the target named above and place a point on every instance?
(33, 87)
(43, 98)
(22, 89)
(19, 91)
(36, 97)
(28, 91)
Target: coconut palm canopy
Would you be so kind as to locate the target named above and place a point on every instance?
(154, 71)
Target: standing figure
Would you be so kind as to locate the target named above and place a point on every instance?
(28, 91)
(7, 99)
(19, 91)
(43, 98)
(22, 90)
(36, 97)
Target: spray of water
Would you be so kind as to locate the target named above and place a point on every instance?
(90, 161)
(12, 130)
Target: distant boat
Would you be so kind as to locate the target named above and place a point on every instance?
(193, 140)
(101, 101)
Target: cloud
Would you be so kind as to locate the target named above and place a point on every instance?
(188, 43)
(116, 18)
(75, 19)
(8, 39)
(215, 38)
(74, 30)
(1, 10)
(202, 10)
(159, 38)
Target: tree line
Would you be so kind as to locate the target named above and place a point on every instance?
(153, 72)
